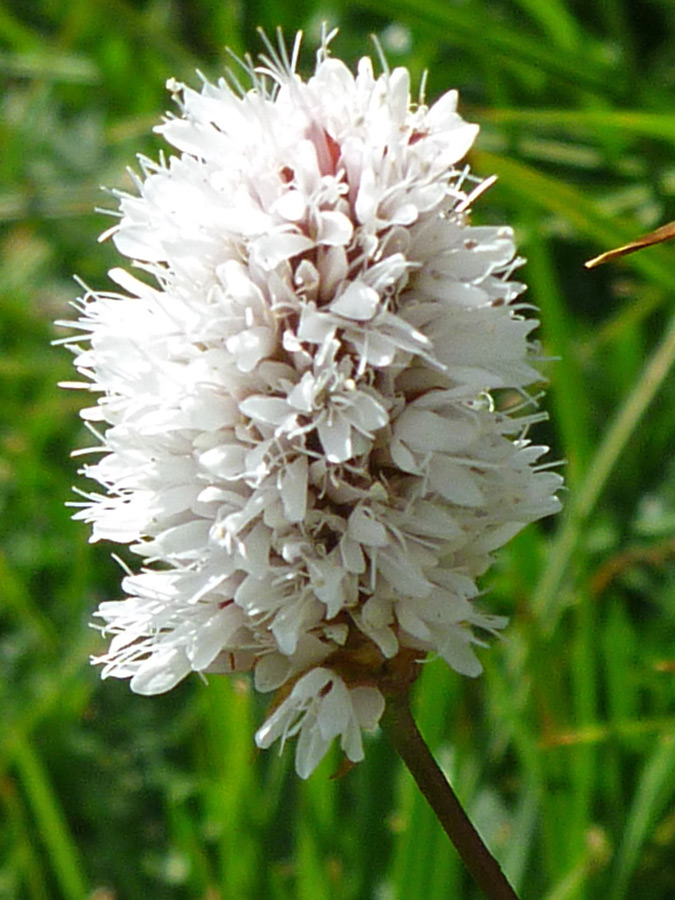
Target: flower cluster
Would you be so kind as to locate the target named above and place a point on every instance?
(299, 437)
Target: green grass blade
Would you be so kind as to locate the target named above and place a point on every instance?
(535, 190)
(492, 39)
(50, 822)
(556, 21)
(655, 791)
(657, 125)
(546, 599)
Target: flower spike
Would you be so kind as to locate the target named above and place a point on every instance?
(293, 396)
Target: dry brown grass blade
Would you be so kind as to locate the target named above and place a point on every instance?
(664, 233)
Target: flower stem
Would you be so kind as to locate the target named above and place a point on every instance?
(402, 731)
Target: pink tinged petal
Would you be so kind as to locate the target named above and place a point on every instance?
(335, 438)
(276, 248)
(358, 302)
(293, 489)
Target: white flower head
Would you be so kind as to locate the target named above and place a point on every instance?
(297, 430)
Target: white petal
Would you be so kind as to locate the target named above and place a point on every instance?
(368, 705)
(271, 672)
(422, 429)
(454, 482)
(358, 301)
(161, 672)
(334, 228)
(402, 574)
(336, 438)
(275, 248)
(272, 410)
(291, 205)
(364, 528)
(293, 489)
(352, 555)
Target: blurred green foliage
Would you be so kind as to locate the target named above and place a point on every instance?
(564, 752)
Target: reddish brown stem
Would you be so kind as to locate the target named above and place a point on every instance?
(402, 731)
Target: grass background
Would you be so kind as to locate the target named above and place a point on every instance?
(564, 751)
